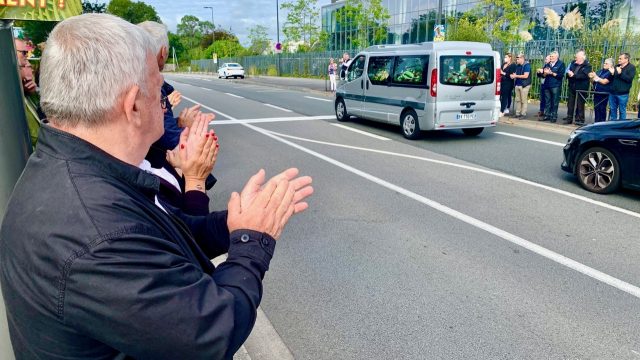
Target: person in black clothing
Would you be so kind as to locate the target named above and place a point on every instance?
(108, 271)
(553, 73)
(540, 74)
(623, 75)
(578, 77)
(506, 83)
(602, 88)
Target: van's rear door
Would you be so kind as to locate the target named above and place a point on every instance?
(466, 89)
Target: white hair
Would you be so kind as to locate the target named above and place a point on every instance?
(554, 53)
(609, 60)
(158, 33)
(88, 63)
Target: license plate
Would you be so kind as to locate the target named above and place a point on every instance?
(466, 116)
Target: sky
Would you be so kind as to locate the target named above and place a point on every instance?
(239, 15)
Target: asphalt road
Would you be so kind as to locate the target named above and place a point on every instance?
(445, 247)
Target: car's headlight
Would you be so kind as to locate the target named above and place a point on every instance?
(573, 135)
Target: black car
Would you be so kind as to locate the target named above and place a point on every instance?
(605, 155)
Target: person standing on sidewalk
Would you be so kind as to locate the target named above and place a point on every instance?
(623, 75)
(344, 66)
(333, 68)
(540, 74)
(553, 74)
(578, 77)
(506, 86)
(522, 78)
(602, 87)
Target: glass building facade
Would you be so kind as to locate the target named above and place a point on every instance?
(413, 21)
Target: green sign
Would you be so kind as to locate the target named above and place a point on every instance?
(41, 10)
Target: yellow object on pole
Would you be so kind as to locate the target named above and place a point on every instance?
(40, 10)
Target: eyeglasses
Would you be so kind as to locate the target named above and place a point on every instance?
(163, 102)
(23, 52)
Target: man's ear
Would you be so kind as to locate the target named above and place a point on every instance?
(163, 54)
(132, 105)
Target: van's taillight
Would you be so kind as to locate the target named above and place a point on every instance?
(434, 82)
(498, 81)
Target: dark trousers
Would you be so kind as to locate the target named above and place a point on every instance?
(505, 98)
(600, 107)
(552, 98)
(543, 100)
(575, 106)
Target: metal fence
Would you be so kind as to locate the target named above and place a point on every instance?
(315, 64)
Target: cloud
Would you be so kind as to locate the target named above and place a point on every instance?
(237, 15)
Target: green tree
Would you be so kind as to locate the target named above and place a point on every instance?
(301, 24)
(504, 19)
(366, 22)
(259, 40)
(190, 31)
(224, 48)
(133, 12)
(467, 28)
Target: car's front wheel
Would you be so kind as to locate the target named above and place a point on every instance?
(341, 110)
(598, 170)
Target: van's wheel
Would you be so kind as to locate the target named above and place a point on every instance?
(341, 110)
(472, 131)
(410, 124)
(598, 170)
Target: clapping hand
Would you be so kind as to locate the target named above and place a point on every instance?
(188, 115)
(174, 98)
(196, 154)
(268, 207)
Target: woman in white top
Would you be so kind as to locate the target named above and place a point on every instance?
(333, 68)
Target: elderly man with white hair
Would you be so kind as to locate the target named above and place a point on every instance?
(92, 265)
(578, 77)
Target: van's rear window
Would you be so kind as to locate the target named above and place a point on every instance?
(466, 70)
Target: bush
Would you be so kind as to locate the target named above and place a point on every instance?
(272, 71)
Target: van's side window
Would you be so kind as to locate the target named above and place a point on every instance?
(356, 68)
(380, 69)
(466, 70)
(411, 70)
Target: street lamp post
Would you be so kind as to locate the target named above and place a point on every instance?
(213, 33)
(278, 32)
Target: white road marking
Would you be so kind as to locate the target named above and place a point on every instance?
(204, 88)
(530, 138)
(315, 98)
(234, 95)
(471, 168)
(208, 108)
(544, 252)
(276, 119)
(277, 107)
(361, 132)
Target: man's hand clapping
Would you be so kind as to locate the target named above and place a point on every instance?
(268, 207)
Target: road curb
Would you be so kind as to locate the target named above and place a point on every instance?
(538, 125)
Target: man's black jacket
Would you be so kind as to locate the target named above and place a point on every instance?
(621, 84)
(92, 268)
(580, 78)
